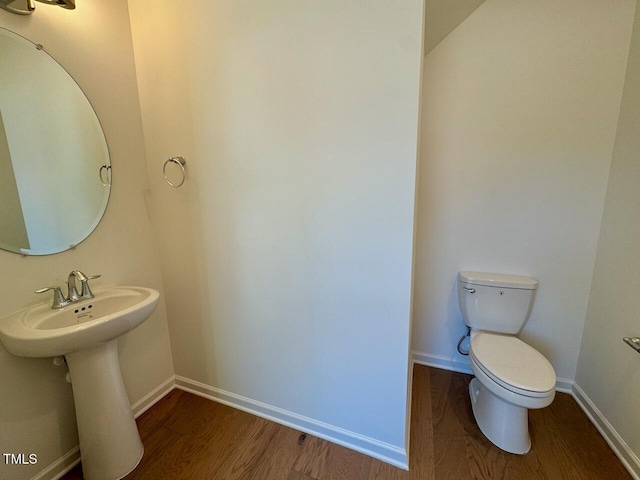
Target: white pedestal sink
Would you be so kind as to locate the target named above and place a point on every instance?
(85, 333)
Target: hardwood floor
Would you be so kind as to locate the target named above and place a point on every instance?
(189, 437)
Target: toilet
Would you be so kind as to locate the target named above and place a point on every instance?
(511, 377)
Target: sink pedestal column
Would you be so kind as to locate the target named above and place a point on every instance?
(110, 444)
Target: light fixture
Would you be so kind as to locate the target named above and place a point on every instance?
(70, 4)
(25, 7)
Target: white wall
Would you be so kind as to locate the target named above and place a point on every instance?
(520, 105)
(36, 406)
(608, 370)
(287, 253)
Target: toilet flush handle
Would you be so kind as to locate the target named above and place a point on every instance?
(470, 290)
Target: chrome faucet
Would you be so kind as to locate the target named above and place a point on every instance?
(58, 298)
(59, 301)
(72, 291)
(85, 291)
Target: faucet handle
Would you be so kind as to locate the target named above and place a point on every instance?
(58, 298)
(86, 291)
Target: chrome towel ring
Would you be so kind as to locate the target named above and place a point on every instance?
(181, 162)
(105, 179)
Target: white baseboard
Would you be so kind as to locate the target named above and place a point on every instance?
(61, 466)
(369, 446)
(441, 362)
(153, 397)
(628, 458)
(64, 464)
(563, 385)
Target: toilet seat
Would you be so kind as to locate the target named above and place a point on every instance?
(513, 364)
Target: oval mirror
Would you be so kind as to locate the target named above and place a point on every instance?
(55, 173)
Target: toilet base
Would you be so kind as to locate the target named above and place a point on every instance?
(504, 424)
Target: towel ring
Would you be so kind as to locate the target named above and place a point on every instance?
(105, 179)
(180, 161)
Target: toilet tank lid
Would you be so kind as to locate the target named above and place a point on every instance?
(499, 280)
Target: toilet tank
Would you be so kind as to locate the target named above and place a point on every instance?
(495, 302)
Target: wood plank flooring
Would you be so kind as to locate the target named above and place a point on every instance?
(189, 437)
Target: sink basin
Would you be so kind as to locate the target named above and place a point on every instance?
(85, 333)
(40, 331)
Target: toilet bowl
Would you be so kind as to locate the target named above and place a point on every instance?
(511, 377)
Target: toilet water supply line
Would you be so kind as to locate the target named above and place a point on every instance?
(460, 351)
